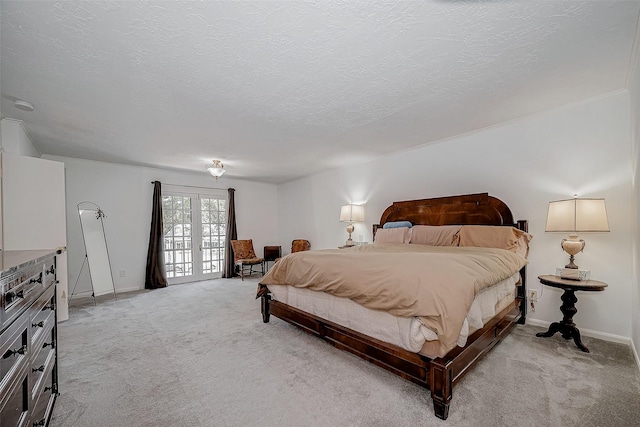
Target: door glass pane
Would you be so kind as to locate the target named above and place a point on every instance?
(178, 254)
(213, 215)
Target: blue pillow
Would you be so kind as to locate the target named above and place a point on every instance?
(397, 224)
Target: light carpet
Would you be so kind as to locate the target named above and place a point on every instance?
(199, 355)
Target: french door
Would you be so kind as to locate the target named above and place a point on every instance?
(194, 235)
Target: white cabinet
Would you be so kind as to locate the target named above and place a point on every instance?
(33, 212)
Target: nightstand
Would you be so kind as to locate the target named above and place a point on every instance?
(356, 244)
(566, 327)
(271, 253)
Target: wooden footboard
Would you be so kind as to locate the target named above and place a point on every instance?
(438, 375)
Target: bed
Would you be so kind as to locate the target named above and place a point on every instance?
(437, 364)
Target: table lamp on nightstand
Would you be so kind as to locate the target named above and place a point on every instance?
(351, 213)
(576, 216)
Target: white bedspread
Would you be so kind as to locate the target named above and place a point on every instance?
(405, 332)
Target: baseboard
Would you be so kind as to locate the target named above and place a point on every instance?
(89, 294)
(588, 333)
(122, 290)
(83, 294)
(635, 354)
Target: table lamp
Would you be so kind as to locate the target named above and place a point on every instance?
(351, 213)
(576, 216)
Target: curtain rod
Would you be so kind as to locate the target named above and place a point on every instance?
(191, 186)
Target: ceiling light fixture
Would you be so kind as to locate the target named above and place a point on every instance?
(216, 169)
(23, 105)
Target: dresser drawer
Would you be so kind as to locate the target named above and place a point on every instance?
(42, 314)
(40, 370)
(46, 341)
(14, 410)
(14, 352)
(44, 404)
(20, 290)
(49, 273)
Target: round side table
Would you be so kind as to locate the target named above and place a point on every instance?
(568, 308)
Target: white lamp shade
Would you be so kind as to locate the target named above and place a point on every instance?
(577, 215)
(352, 213)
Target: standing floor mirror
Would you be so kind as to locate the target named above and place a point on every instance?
(96, 253)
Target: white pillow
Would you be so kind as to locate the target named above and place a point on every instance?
(393, 235)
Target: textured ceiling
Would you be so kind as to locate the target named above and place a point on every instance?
(279, 90)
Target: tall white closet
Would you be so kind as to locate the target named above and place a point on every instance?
(33, 209)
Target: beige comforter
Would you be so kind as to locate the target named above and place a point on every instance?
(436, 284)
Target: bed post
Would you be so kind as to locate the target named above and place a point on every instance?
(522, 289)
(265, 299)
(441, 383)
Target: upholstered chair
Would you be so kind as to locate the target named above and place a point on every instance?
(300, 245)
(244, 256)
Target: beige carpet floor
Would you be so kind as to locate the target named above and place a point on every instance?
(199, 355)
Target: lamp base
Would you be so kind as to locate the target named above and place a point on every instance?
(350, 229)
(572, 246)
(571, 264)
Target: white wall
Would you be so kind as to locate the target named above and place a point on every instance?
(583, 148)
(125, 194)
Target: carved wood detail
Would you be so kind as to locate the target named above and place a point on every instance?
(454, 210)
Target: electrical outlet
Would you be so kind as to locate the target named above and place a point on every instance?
(123, 273)
(533, 298)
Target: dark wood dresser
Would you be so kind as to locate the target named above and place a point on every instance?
(28, 338)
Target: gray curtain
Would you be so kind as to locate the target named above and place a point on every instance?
(156, 277)
(232, 234)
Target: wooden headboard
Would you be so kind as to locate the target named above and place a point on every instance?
(479, 209)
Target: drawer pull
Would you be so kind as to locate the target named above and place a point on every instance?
(40, 324)
(15, 352)
(40, 369)
(53, 270)
(38, 280)
(45, 345)
(49, 307)
(10, 296)
(40, 423)
(52, 389)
